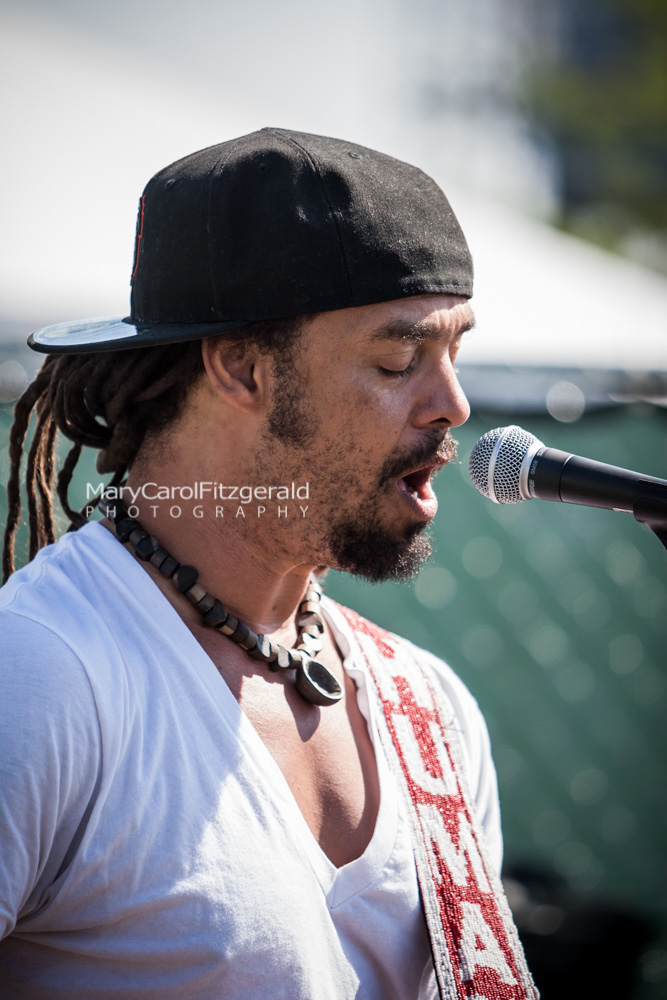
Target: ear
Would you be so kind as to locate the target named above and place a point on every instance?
(237, 373)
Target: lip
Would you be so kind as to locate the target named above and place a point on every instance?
(418, 493)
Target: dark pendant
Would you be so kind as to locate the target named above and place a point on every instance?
(316, 683)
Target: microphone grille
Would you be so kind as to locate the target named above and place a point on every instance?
(496, 460)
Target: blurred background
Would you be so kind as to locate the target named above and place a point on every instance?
(544, 121)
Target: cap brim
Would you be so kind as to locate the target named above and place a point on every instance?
(118, 334)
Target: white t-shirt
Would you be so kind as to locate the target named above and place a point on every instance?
(149, 843)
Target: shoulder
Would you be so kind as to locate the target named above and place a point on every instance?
(460, 707)
(52, 638)
(67, 590)
(46, 585)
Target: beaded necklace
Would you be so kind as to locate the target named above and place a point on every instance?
(314, 682)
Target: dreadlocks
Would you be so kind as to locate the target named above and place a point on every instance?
(109, 401)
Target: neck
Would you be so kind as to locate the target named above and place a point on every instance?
(314, 681)
(242, 558)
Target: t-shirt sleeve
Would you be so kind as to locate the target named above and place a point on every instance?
(50, 763)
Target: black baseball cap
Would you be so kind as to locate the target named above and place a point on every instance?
(272, 225)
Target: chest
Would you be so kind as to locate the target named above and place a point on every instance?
(198, 875)
(325, 754)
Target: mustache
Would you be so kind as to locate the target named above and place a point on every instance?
(428, 452)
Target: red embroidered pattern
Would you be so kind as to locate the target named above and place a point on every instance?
(382, 639)
(476, 949)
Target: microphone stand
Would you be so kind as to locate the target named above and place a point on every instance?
(651, 511)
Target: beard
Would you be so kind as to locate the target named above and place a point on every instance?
(362, 545)
(359, 542)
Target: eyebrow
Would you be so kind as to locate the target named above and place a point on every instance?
(417, 332)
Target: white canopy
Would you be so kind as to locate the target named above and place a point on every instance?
(85, 126)
(545, 298)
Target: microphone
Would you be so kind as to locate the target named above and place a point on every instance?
(509, 465)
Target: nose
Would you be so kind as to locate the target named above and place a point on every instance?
(442, 402)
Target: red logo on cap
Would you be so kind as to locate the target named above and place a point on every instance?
(140, 233)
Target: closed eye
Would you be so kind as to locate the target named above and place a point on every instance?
(396, 373)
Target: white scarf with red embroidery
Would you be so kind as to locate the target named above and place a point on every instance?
(476, 949)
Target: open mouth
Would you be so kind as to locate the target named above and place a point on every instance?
(417, 490)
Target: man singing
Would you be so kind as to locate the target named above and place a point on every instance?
(214, 781)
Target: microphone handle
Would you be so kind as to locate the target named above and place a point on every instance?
(558, 475)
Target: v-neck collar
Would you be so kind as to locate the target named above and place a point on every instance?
(338, 884)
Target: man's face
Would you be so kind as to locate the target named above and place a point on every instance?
(366, 419)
